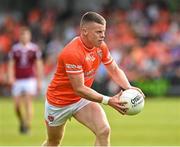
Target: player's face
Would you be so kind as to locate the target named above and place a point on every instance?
(25, 36)
(95, 33)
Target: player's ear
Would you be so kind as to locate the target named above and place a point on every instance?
(84, 31)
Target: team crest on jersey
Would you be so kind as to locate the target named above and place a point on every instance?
(50, 118)
(99, 52)
(90, 57)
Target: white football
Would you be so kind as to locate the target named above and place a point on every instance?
(134, 99)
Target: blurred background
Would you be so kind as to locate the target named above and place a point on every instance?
(143, 37)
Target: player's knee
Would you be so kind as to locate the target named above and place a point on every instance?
(17, 108)
(104, 131)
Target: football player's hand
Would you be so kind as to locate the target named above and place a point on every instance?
(115, 102)
(136, 88)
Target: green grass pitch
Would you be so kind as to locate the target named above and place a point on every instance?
(157, 125)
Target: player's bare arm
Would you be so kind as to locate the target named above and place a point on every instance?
(119, 77)
(11, 77)
(77, 81)
(39, 69)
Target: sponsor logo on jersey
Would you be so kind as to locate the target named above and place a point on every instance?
(90, 73)
(73, 66)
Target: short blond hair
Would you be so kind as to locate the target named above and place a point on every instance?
(24, 28)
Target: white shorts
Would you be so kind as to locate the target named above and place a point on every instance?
(56, 116)
(22, 86)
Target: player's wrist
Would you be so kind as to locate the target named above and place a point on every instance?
(128, 87)
(105, 100)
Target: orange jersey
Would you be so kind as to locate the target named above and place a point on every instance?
(75, 58)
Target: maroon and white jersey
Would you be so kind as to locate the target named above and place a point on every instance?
(24, 57)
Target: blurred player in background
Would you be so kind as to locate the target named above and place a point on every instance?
(25, 75)
(69, 93)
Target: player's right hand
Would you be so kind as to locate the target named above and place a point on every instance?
(115, 102)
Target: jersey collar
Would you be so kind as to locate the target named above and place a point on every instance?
(84, 46)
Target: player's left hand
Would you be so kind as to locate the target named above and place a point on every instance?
(136, 88)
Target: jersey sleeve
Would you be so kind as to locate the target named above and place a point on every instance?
(72, 63)
(106, 56)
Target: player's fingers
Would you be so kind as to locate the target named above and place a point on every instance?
(120, 93)
(122, 103)
(139, 90)
(142, 93)
(123, 107)
(123, 112)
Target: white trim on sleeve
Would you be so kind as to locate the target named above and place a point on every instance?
(108, 61)
(77, 71)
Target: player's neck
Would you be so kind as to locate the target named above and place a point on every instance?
(86, 44)
(24, 43)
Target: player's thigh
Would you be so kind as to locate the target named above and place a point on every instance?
(17, 89)
(30, 88)
(25, 87)
(93, 117)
